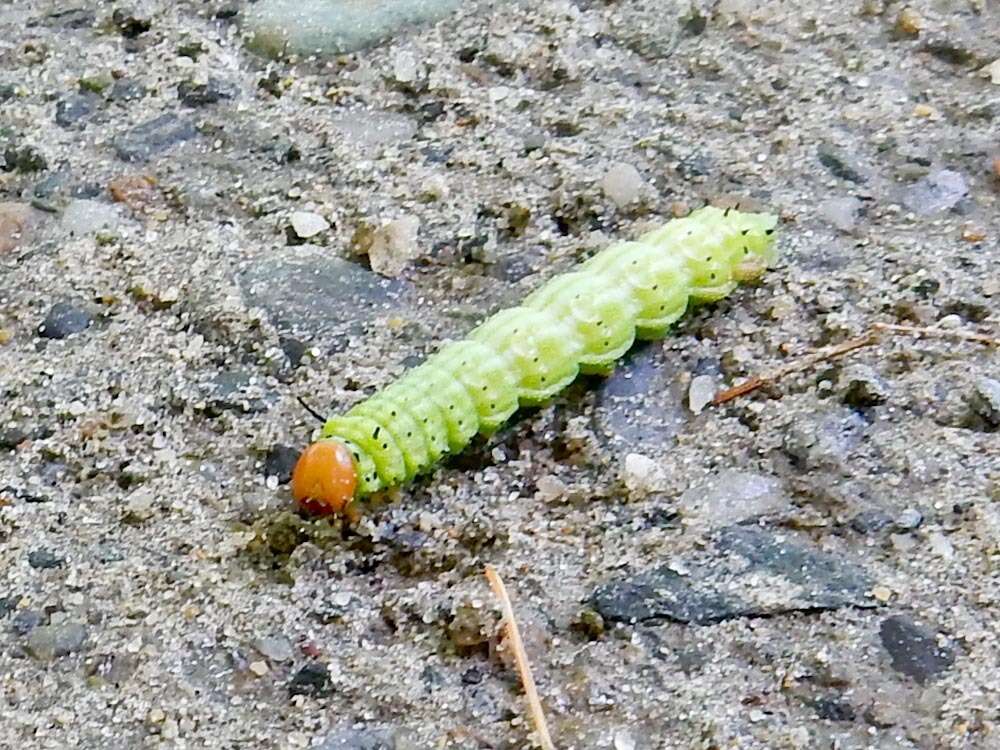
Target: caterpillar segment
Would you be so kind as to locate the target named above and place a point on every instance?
(581, 321)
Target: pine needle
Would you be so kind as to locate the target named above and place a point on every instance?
(521, 659)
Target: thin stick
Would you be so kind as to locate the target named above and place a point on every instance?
(940, 333)
(832, 352)
(521, 659)
(823, 355)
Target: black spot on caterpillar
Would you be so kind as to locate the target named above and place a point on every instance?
(581, 321)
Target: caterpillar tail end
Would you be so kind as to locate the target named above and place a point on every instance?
(324, 479)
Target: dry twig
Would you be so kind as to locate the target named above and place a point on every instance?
(521, 659)
(839, 350)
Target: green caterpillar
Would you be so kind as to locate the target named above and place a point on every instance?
(581, 321)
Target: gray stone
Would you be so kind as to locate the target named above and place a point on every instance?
(334, 27)
(277, 648)
(824, 440)
(861, 386)
(48, 642)
(370, 128)
(984, 405)
(745, 572)
(839, 164)
(732, 496)
(642, 404)
(26, 620)
(75, 108)
(83, 217)
(239, 391)
(153, 137)
(43, 559)
(914, 648)
(842, 213)
(64, 320)
(307, 291)
(359, 739)
(193, 94)
(936, 193)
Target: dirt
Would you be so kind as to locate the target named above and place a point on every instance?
(158, 588)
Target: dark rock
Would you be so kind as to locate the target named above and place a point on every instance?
(48, 642)
(696, 165)
(472, 676)
(642, 404)
(280, 461)
(11, 436)
(359, 739)
(839, 165)
(25, 621)
(735, 578)
(834, 709)
(131, 22)
(43, 559)
(7, 92)
(75, 108)
(870, 521)
(72, 18)
(914, 648)
(21, 159)
(213, 91)
(984, 405)
(150, 138)
(294, 350)
(312, 679)
(860, 386)
(127, 90)
(64, 320)
(22, 495)
(7, 605)
(239, 391)
(310, 294)
(951, 51)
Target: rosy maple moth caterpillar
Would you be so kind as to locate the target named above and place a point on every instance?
(580, 321)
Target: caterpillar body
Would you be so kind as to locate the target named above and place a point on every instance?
(580, 321)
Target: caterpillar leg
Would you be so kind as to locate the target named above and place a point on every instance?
(324, 478)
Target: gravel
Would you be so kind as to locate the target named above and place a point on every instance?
(816, 560)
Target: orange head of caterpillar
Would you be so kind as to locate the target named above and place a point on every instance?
(324, 478)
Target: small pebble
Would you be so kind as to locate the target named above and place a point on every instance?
(64, 320)
(306, 224)
(909, 22)
(276, 648)
(48, 642)
(641, 474)
(622, 184)
(701, 392)
(909, 519)
(312, 679)
(43, 559)
(394, 245)
(259, 668)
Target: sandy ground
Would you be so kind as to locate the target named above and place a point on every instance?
(811, 566)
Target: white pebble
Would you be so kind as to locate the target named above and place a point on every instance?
(701, 392)
(306, 224)
(642, 475)
(622, 184)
